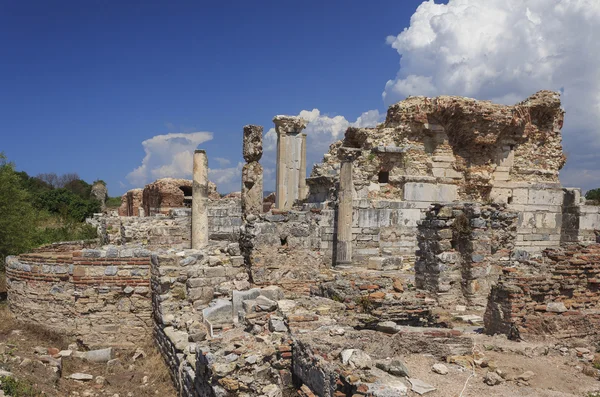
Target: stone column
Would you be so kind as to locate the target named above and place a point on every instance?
(344, 218)
(200, 200)
(302, 188)
(344, 209)
(252, 172)
(289, 159)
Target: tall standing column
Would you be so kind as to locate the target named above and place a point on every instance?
(289, 159)
(302, 188)
(344, 221)
(252, 172)
(200, 200)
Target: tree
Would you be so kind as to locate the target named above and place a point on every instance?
(58, 181)
(67, 204)
(593, 195)
(80, 188)
(17, 216)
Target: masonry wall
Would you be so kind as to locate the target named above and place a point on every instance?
(172, 230)
(462, 249)
(99, 296)
(196, 338)
(293, 246)
(557, 294)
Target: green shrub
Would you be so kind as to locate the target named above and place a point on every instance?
(18, 388)
(17, 216)
(593, 195)
(69, 232)
(33, 212)
(113, 202)
(67, 204)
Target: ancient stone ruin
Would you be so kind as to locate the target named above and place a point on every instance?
(450, 210)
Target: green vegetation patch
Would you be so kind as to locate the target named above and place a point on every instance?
(18, 388)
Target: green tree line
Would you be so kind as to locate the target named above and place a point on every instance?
(42, 209)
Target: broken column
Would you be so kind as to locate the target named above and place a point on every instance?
(200, 200)
(344, 214)
(252, 172)
(290, 159)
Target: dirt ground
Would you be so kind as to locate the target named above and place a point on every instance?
(556, 375)
(146, 376)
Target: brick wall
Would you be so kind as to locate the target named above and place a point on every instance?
(100, 296)
(557, 294)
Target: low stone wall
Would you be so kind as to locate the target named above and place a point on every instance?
(462, 249)
(172, 230)
(557, 294)
(294, 248)
(99, 296)
(224, 220)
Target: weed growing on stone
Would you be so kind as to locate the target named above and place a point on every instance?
(364, 303)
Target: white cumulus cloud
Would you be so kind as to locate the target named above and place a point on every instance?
(322, 130)
(227, 179)
(505, 50)
(168, 155)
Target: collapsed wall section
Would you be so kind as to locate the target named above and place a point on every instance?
(99, 296)
(198, 296)
(557, 294)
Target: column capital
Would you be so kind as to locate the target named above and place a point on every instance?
(289, 124)
(348, 154)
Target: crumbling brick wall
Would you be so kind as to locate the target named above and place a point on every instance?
(164, 194)
(462, 249)
(99, 296)
(557, 294)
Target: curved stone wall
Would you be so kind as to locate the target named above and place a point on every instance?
(102, 297)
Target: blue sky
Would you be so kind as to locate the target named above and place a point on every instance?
(84, 84)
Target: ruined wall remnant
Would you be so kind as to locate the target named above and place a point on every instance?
(134, 202)
(123, 211)
(454, 148)
(131, 203)
(170, 230)
(100, 193)
(291, 155)
(164, 194)
(462, 250)
(252, 172)
(160, 197)
(99, 296)
(557, 294)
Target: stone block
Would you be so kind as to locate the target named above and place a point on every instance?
(545, 197)
(376, 263)
(415, 191)
(238, 297)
